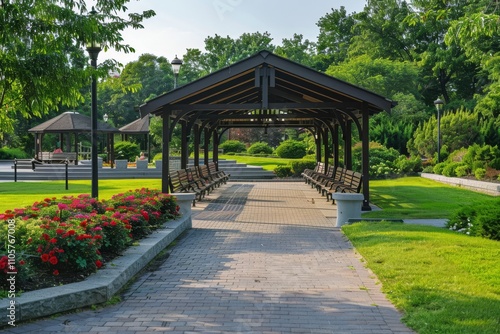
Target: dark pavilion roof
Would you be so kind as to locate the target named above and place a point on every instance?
(71, 121)
(270, 88)
(138, 126)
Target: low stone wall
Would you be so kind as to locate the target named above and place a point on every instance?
(489, 188)
(101, 286)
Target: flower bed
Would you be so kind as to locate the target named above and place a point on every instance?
(58, 241)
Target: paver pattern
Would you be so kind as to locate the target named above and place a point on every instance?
(262, 257)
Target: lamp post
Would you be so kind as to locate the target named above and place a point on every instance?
(93, 48)
(439, 105)
(176, 67)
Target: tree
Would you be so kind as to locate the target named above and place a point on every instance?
(297, 50)
(42, 59)
(336, 30)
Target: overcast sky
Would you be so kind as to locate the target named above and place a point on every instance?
(182, 24)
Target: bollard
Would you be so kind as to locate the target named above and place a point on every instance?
(15, 170)
(66, 163)
(348, 206)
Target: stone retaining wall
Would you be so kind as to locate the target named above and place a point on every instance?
(489, 188)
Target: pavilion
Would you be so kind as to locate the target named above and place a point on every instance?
(266, 90)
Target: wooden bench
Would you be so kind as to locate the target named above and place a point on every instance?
(309, 174)
(218, 173)
(318, 180)
(351, 183)
(52, 157)
(212, 180)
(176, 186)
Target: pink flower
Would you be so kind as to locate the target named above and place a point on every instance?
(62, 206)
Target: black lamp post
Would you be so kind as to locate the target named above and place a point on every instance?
(176, 67)
(439, 105)
(93, 48)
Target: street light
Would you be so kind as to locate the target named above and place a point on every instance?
(439, 105)
(105, 118)
(93, 48)
(176, 67)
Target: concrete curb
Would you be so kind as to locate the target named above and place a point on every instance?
(101, 286)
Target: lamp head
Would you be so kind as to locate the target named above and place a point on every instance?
(176, 65)
(439, 104)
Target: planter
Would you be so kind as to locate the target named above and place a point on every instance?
(141, 164)
(348, 207)
(121, 164)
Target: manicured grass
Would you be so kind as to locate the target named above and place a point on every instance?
(265, 162)
(444, 282)
(416, 197)
(20, 194)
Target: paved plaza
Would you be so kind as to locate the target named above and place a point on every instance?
(262, 257)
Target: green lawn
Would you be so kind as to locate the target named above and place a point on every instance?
(443, 281)
(264, 162)
(20, 194)
(416, 197)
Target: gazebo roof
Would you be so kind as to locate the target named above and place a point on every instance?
(71, 121)
(139, 126)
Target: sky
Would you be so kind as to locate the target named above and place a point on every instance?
(179, 25)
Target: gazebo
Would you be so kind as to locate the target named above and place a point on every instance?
(266, 90)
(67, 124)
(138, 127)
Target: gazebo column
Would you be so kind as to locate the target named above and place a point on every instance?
(196, 133)
(184, 144)
(348, 145)
(335, 140)
(365, 157)
(317, 141)
(206, 146)
(324, 134)
(112, 144)
(216, 148)
(165, 163)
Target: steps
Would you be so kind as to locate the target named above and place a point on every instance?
(238, 172)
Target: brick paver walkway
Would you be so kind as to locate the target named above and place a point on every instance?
(262, 257)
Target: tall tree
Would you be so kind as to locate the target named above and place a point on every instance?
(298, 50)
(336, 30)
(42, 59)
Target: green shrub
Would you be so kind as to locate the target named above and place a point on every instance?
(283, 171)
(291, 149)
(438, 169)
(260, 148)
(480, 173)
(12, 153)
(450, 169)
(232, 146)
(410, 165)
(428, 169)
(478, 220)
(157, 156)
(300, 165)
(127, 150)
(462, 171)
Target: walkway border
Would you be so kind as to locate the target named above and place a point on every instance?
(105, 283)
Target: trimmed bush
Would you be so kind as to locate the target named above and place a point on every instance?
(283, 171)
(462, 171)
(260, 148)
(450, 169)
(438, 169)
(12, 153)
(232, 146)
(291, 149)
(300, 165)
(480, 173)
(428, 169)
(478, 220)
(127, 150)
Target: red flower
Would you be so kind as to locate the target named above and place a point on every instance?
(62, 206)
(53, 260)
(98, 263)
(22, 263)
(45, 257)
(53, 240)
(55, 272)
